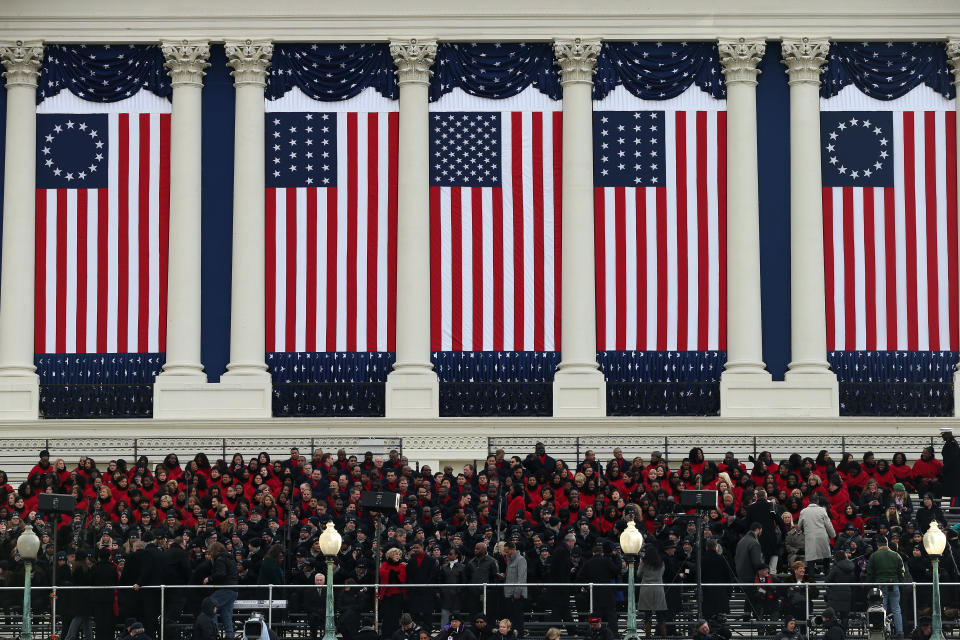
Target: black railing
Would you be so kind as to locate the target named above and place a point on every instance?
(329, 400)
(914, 399)
(663, 398)
(96, 400)
(493, 399)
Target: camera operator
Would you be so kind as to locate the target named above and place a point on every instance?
(833, 630)
(886, 566)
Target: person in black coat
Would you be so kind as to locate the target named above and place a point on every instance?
(452, 572)
(205, 626)
(834, 630)
(103, 574)
(150, 568)
(762, 511)
(714, 569)
(421, 569)
(562, 570)
(841, 597)
(176, 570)
(950, 454)
(601, 569)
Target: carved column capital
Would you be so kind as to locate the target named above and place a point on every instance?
(413, 59)
(577, 59)
(953, 58)
(740, 58)
(186, 61)
(804, 58)
(249, 60)
(22, 62)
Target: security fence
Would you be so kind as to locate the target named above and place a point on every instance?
(298, 611)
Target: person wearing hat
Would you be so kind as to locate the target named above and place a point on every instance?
(950, 454)
(923, 630)
(601, 569)
(832, 627)
(597, 630)
(42, 467)
(457, 629)
(789, 630)
(408, 630)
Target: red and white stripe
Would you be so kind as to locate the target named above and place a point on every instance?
(101, 254)
(331, 252)
(495, 251)
(891, 252)
(661, 251)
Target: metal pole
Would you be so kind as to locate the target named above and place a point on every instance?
(330, 631)
(806, 601)
(270, 605)
(163, 610)
(53, 606)
(26, 633)
(484, 598)
(936, 620)
(591, 596)
(631, 631)
(699, 564)
(914, 598)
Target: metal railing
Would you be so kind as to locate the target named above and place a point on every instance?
(268, 599)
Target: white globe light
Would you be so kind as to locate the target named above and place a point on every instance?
(330, 541)
(28, 544)
(631, 539)
(934, 540)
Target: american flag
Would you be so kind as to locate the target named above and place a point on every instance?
(660, 209)
(331, 212)
(102, 213)
(495, 230)
(890, 229)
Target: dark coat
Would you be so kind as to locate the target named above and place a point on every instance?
(840, 597)
(600, 569)
(714, 569)
(422, 601)
(176, 567)
(951, 467)
(749, 557)
(451, 598)
(203, 627)
(103, 574)
(762, 511)
(224, 570)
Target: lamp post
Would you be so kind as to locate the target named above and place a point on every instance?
(630, 542)
(934, 541)
(330, 542)
(27, 546)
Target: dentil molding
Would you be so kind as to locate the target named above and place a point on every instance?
(22, 61)
(740, 58)
(249, 60)
(804, 58)
(953, 57)
(186, 61)
(413, 59)
(577, 59)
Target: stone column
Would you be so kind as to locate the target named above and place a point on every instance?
(953, 57)
(413, 390)
(249, 60)
(19, 384)
(804, 58)
(744, 335)
(186, 61)
(579, 389)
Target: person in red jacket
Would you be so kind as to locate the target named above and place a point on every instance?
(43, 467)
(392, 572)
(927, 472)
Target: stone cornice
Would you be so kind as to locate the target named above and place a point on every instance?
(740, 58)
(413, 58)
(22, 62)
(804, 58)
(249, 60)
(577, 59)
(186, 61)
(953, 57)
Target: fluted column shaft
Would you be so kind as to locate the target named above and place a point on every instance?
(740, 58)
(186, 61)
(412, 386)
(804, 58)
(579, 388)
(249, 60)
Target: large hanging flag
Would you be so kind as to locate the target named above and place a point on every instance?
(102, 206)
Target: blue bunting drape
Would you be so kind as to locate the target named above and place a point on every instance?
(102, 73)
(658, 70)
(97, 385)
(331, 72)
(886, 70)
(495, 70)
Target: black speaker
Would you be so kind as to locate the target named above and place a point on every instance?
(698, 499)
(380, 501)
(56, 502)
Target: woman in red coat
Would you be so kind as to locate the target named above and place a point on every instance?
(392, 572)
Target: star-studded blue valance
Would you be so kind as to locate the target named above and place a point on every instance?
(102, 73)
(886, 70)
(495, 70)
(658, 70)
(332, 72)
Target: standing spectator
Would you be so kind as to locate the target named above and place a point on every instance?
(225, 577)
(601, 569)
(793, 543)
(749, 557)
(103, 574)
(176, 570)
(539, 462)
(951, 466)
(834, 630)
(482, 569)
(421, 569)
(150, 565)
(885, 567)
(561, 571)
(453, 571)
(762, 511)
(840, 596)
(817, 530)
(714, 569)
(205, 625)
(515, 596)
(651, 599)
(392, 573)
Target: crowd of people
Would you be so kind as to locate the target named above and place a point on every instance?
(486, 537)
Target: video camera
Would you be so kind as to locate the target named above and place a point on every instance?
(255, 628)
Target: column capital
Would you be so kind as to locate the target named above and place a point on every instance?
(249, 60)
(740, 58)
(22, 62)
(186, 61)
(804, 58)
(413, 58)
(577, 59)
(953, 58)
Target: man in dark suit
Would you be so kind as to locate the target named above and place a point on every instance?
(421, 569)
(561, 570)
(176, 570)
(149, 572)
(601, 569)
(539, 461)
(763, 511)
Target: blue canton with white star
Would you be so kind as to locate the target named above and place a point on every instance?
(465, 149)
(301, 149)
(856, 148)
(72, 151)
(628, 149)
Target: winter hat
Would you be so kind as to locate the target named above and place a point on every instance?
(830, 613)
(899, 487)
(406, 619)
